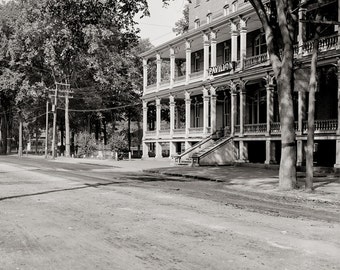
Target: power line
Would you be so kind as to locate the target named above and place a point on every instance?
(101, 110)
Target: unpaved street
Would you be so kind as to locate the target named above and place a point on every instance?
(73, 216)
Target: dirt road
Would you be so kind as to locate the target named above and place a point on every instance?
(84, 217)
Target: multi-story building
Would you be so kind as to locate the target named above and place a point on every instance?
(210, 94)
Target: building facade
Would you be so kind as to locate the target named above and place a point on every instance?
(210, 95)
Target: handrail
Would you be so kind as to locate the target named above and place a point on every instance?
(199, 144)
(217, 144)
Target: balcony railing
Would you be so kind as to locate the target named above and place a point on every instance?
(255, 128)
(195, 130)
(164, 131)
(255, 60)
(322, 126)
(196, 75)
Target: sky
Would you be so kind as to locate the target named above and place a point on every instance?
(158, 27)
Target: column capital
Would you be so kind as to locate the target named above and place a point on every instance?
(233, 27)
(145, 104)
(172, 52)
(212, 91)
(205, 39)
(213, 35)
(145, 62)
(158, 102)
(233, 88)
(270, 80)
(243, 23)
(205, 91)
(172, 99)
(187, 95)
(188, 44)
(158, 56)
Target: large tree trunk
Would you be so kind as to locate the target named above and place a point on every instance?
(311, 109)
(287, 173)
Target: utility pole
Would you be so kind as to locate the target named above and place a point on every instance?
(20, 136)
(54, 110)
(67, 122)
(46, 132)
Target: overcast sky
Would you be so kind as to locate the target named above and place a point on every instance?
(158, 27)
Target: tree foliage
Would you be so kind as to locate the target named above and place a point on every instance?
(93, 45)
(182, 25)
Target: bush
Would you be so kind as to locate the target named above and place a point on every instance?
(86, 144)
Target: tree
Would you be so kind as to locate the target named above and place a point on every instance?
(279, 23)
(182, 25)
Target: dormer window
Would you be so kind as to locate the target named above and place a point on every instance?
(197, 23)
(209, 17)
(234, 6)
(226, 10)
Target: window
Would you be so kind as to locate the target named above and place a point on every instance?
(226, 53)
(196, 62)
(209, 17)
(234, 6)
(260, 45)
(197, 23)
(226, 10)
(197, 114)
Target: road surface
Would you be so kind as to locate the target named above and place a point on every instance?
(89, 216)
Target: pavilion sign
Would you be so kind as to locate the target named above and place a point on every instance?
(226, 67)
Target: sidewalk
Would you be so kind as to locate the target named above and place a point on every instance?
(240, 178)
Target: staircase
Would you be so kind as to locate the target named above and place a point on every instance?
(219, 152)
(209, 152)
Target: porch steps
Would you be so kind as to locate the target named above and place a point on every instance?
(218, 143)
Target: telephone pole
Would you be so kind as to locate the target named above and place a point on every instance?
(20, 136)
(67, 120)
(46, 132)
(54, 110)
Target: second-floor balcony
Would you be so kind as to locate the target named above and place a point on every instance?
(326, 44)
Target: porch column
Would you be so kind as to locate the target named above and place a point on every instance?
(301, 110)
(243, 151)
(188, 61)
(206, 56)
(205, 110)
(213, 109)
(158, 70)
(145, 117)
(213, 43)
(233, 41)
(172, 148)
(158, 150)
(187, 113)
(270, 152)
(299, 152)
(172, 67)
(172, 114)
(145, 150)
(337, 164)
(145, 74)
(270, 101)
(158, 116)
(233, 94)
(302, 30)
(242, 107)
(243, 40)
